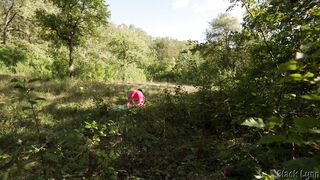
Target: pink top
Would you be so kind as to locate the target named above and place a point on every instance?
(136, 95)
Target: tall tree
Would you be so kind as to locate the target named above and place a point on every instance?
(221, 27)
(130, 45)
(220, 37)
(168, 49)
(71, 22)
(9, 10)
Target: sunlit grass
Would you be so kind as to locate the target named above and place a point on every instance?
(68, 100)
(72, 103)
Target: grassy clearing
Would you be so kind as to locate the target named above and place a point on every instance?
(82, 134)
(72, 101)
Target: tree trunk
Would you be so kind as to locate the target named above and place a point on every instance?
(71, 59)
(7, 20)
(5, 27)
(4, 35)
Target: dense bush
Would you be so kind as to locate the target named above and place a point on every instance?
(131, 73)
(26, 59)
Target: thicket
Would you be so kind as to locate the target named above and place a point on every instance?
(265, 77)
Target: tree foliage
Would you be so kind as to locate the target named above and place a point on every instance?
(71, 22)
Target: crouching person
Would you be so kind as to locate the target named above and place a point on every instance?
(137, 96)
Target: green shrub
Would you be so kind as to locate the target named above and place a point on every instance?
(130, 73)
(11, 55)
(97, 69)
(4, 68)
(25, 58)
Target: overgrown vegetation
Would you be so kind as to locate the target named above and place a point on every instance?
(255, 109)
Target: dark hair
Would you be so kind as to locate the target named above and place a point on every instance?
(141, 91)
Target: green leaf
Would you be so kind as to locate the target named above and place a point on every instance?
(315, 131)
(30, 165)
(96, 138)
(305, 164)
(39, 99)
(312, 97)
(92, 125)
(254, 122)
(113, 154)
(293, 95)
(271, 138)
(307, 124)
(292, 77)
(294, 138)
(122, 107)
(308, 75)
(288, 66)
(274, 121)
(305, 27)
(315, 12)
(4, 156)
(296, 77)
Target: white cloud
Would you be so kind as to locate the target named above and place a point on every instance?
(210, 5)
(180, 4)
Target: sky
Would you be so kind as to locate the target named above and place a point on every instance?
(178, 19)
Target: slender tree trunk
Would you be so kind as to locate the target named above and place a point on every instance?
(7, 20)
(5, 27)
(71, 59)
(4, 35)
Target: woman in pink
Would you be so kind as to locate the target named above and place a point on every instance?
(136, 95)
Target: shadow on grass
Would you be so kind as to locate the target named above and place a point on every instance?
(149, 137)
